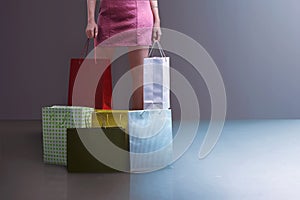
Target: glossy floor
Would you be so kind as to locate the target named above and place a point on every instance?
(254, 159)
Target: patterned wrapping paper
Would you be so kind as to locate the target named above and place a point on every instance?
(56, 120)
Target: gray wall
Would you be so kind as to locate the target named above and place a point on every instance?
(255, 43)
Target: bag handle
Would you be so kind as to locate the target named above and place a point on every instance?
(85, 49)
(162, 53)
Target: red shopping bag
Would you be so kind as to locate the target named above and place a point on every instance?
(90, 82)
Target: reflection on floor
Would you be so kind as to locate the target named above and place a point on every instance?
(253, 159)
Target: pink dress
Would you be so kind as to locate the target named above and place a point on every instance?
(124, 23)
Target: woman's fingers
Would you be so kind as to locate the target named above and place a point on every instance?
(88, 33)
(153, 35)
(156, 33)
(91, 30)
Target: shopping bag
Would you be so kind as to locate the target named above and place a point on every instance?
(110, 118)
(150, 139)
(95, 82)
(55, 121)
(113, 123)
(81, 160)
(156, 78)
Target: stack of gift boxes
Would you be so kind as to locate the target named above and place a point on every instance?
(86, 139)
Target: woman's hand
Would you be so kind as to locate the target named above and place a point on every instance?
(156, 31)
(91, 29)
